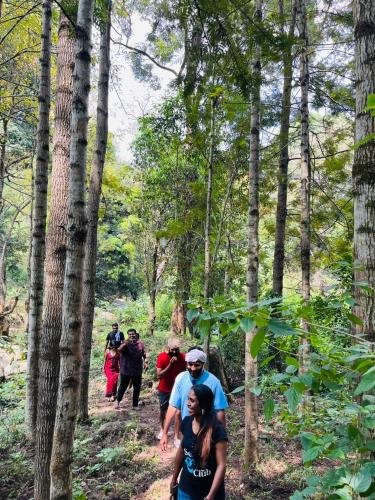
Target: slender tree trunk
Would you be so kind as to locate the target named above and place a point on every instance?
(222, 217)
(91, 250)
(3, 278)
(39, 222)
(49, 360)
(251, 368)
(3, 144)
(364, 168)
(70, 355)
(227, 267)
(152, 291)
(207, 229)
(182, 287)
(282, 193)
(305, 177)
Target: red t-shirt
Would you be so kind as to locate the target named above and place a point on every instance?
(167, 380)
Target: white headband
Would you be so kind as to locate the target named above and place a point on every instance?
(195, 355)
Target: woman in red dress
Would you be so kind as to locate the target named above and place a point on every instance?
(111, 370)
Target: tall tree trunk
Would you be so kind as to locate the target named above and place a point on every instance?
(49, 361)
(251, 368)
(39, 222)
(91, 250)
(182, 287)
(3, 145)
(227, 279)
(193, 48)
(364, 168)
(282, 192)
(152, 290)
(4, 138)
(207, 229)
(305, 177)
(70, 353)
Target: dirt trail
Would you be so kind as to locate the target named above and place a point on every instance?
(147, 419)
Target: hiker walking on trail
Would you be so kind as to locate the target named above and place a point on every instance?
(195, 374)
(132, 361)
(202, 455)
(114, 339)
(112, 371)
(168, 365)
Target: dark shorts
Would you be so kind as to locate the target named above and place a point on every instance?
(164, 400)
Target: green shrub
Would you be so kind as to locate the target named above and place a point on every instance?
(164, 307)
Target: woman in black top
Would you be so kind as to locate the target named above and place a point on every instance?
(202, 455)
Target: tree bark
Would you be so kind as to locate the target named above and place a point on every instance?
(182, 287)
(3, 144)
(364, 169)
(70, 355)
(207, 229)
(251, 368)
(193, 49)
(91, 249)
(305, 178)
(39, 222)
(152, 291)
(282, 192)
(49, 360)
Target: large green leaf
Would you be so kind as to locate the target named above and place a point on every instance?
(257, 342)
(366, 384)
(280, 328)
(291, 361)
(293, 399)
(311, 454)
(204, 326)
(269, 407)
(247, 324)
(361, 481)
(192, 314)
(355, 319)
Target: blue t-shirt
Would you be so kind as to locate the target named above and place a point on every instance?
(184, 382)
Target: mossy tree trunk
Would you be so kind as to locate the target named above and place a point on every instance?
(364, 169)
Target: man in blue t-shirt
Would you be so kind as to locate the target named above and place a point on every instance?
(195, 374)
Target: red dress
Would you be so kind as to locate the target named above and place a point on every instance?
(111, 370)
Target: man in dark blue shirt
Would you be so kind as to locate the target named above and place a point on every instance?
(115, 338)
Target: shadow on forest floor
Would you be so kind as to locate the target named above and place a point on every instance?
(116, 455)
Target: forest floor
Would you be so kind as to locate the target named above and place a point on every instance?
(117, 456)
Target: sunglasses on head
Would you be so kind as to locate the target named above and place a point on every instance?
(196, 365)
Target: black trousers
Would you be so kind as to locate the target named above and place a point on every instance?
(124, 383)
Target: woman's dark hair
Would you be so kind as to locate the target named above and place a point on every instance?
(208, 421)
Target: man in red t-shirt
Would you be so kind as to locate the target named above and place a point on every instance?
(168, 365)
